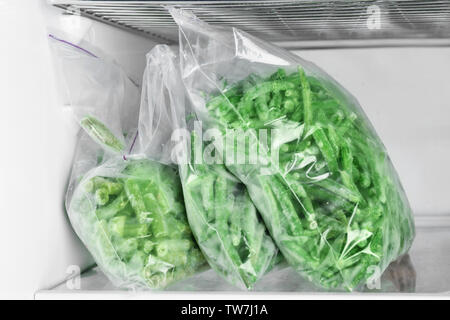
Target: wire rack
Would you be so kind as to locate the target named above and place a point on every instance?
(290, 23)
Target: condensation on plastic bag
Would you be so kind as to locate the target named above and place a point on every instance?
(127, 209)
(325, 186)
(221, 215)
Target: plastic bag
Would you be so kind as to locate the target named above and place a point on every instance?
(221, 215)
(94, 89)
(127, 210)
(322, 179)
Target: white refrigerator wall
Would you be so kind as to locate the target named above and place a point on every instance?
(38, 138)
(404, 91)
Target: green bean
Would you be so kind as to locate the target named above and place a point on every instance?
(101, 134)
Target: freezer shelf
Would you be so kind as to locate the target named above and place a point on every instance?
(294, 24)
(425, 271)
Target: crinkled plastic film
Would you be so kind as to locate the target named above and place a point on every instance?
(130, 215)
(128, 210)
(94, 89)
(221, 215)
(325, 186)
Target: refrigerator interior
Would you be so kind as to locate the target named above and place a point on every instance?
(404, 90)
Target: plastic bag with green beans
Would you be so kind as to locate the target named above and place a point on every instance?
(222, 217)
(131, 216)
(127, 210)
(322, 179)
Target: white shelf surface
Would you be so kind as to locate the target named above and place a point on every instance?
(425, 273)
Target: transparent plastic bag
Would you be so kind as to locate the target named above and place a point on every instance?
(128, 210)
(130, 215)
(323, 181)
(221, 215)
(94, 89)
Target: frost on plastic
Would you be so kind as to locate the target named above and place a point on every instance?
(327, 190)
(221, 215)
(128, 210)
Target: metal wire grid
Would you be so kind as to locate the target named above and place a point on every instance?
(287, 21)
